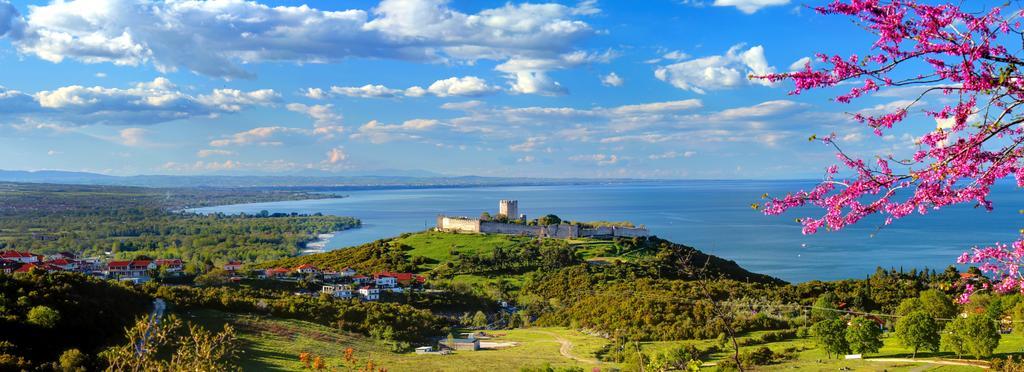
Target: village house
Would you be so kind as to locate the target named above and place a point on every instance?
(133, 268)
(404, 279)
(23, 257)
(385, 281)
(233, 266)
(338, 290)
(361, 279)
(368, 293)
(37, 266)
(170, 265)
(307, 269)
(275, 272)
(347, 272)
(65, 264)
(8, 266)
(471, 343)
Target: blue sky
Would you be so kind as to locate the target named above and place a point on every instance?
(648, 89)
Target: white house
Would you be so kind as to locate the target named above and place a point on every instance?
(23, 257)
(347, 272)
(339, 290)
(306, 269)
(369, 294)
(385, 281)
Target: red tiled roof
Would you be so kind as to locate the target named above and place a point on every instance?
(305, 266)
(60, 262)
(168, 261)
(126, 264)
(402, 277)
(15, 254)
(29, 266)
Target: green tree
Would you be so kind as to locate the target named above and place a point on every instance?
(72, 360)
(831, 336)
(978, 334)
(909, 305)
(43, 316)
(918, 331)
(549, 220)
(820, 311)
(480, 319)
(937, 304)
(864, 336)
(952, 337)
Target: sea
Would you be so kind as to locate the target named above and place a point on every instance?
(713, 216)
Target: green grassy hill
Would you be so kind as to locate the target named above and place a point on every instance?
(466, 256)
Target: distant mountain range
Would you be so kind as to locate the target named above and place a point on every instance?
(383, 179)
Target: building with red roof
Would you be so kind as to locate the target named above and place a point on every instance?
(132, 268)
(171, 265)
(23, 257)
(233, 266)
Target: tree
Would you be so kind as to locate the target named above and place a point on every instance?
(864, 336)
(970, 58)
(197, 350)
(909, 305)
(918, 331)
(937, 304)
(831, 336)
(976, 334)
(43, 316)
(549, 220)
(820, 311)
(73, 360)
(480, 319)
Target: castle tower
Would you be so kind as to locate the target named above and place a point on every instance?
(508, 208)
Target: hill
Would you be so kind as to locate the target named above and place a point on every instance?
(447, 255)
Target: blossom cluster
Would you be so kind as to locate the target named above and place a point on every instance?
(976, 143)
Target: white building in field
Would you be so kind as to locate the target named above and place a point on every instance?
(369, 294)
(338, 290)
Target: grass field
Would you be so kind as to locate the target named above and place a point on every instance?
(271, 344)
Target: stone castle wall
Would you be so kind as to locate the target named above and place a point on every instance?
(562, 231)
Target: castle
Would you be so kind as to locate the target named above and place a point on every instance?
(510, 210)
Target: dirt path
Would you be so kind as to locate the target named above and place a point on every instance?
(928, 361)
(566, 348)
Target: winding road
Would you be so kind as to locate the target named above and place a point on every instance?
(565, 348)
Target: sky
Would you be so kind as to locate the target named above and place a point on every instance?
(638, 89)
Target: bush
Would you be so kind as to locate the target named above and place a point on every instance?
(43, 316)
(73, 360)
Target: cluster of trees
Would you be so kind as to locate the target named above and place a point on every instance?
(545, 255)
(931, 321)
(394, 323)
(44, 316)
(92, 220)
(380, 255)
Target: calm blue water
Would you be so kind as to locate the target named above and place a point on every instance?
(713, 216)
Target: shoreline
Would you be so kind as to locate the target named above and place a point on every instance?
(319, 245)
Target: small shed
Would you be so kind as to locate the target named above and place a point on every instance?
(471, 344)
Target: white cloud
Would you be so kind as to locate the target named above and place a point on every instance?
(315, 93)
(599, 159)
(377, 132)
(675, 55)
(799, 64)
(761, 110)
(100, 75)
(132, 136)
(464, 86)
(530, 145)
(464, 106)
(526, 159)
(205, 153)
(222, 35)
(530, 75)
(612, 80)
(151, 102)
(750, 6)
(53, 153)
(336, 155)
(366, 91)
(717, 72)
(659, 107)
(323, 116)
(262, 136)
(672, 155)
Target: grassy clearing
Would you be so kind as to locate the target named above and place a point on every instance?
(271, 344)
